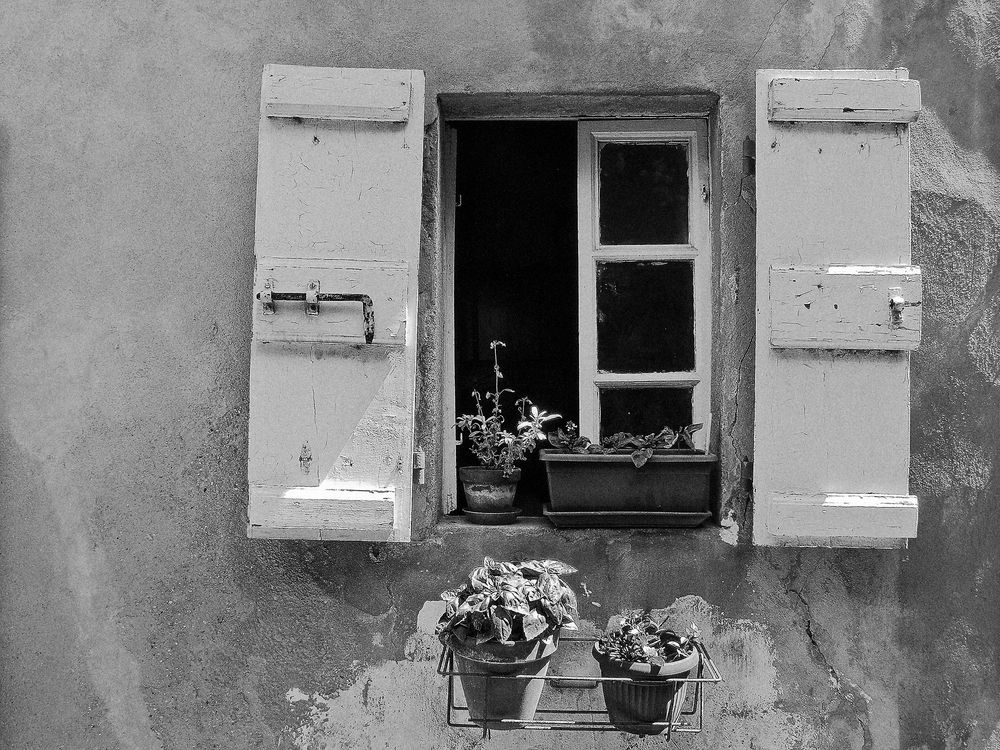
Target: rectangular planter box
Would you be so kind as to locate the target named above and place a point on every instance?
(672, 489)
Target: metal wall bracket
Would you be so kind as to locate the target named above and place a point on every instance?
(686, 719)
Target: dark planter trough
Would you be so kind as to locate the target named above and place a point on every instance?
(590, 490)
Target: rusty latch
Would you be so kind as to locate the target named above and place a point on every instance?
(312, 297)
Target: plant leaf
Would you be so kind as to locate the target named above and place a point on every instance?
(533, 625)
(502, 624)
(513, 602)
(641, 456)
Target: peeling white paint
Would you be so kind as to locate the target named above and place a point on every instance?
(730, 531)
(994, 742)
(402, 703)
(429, 615)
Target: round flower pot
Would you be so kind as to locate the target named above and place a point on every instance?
(488, 490)
(632, 705)
(490, 700)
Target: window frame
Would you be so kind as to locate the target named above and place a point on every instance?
(461, 107)
(591, 134)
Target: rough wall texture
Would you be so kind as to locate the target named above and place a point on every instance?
(134, 613)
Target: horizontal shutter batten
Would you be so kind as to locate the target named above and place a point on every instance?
(335, 94)
(877, 516)
(319, 508)
(845, 307)
(831, 99)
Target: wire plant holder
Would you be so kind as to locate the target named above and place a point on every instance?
(690, 716)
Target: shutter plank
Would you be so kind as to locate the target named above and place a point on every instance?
(831, 99)
(845, 307)
(337, 321)
(316, 513)
(336, 94)
(831, 515)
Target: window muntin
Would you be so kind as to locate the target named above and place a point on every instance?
(644, 274)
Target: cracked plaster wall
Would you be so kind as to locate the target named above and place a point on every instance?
(135, 614)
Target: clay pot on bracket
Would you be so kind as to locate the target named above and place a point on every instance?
(489, 699)
(634, 707)
(488, 490)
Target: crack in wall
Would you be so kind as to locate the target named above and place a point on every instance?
(767, 32)
(833, 35)
(816, 648)
(739, 497)
(850, 693)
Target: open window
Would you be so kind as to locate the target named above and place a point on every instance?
(585, 246)
(577, 229)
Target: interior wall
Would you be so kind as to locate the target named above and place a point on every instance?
(135, 613)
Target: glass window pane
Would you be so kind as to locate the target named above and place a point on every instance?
(644, 410)
(643, 194)
(645, 316)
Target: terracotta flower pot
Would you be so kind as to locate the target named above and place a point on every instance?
(488, 490)
(490, 700)
(631, 704)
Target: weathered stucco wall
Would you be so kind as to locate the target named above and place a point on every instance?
(134, 613)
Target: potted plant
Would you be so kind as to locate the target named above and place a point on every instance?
(659, 479)
(506, 620)
(491, 486)
(656, 660)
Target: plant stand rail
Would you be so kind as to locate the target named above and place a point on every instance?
(586, 720)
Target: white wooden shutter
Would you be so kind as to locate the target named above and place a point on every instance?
(838, 308)
(333, 358)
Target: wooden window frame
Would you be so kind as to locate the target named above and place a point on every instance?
(630, 108)
(591, 135)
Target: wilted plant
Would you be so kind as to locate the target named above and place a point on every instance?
(636, 637)
(494, 446)
(641, 446)
(509, 602)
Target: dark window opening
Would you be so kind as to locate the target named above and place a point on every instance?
(516, 274)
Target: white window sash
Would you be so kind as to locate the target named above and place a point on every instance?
(694, 134)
